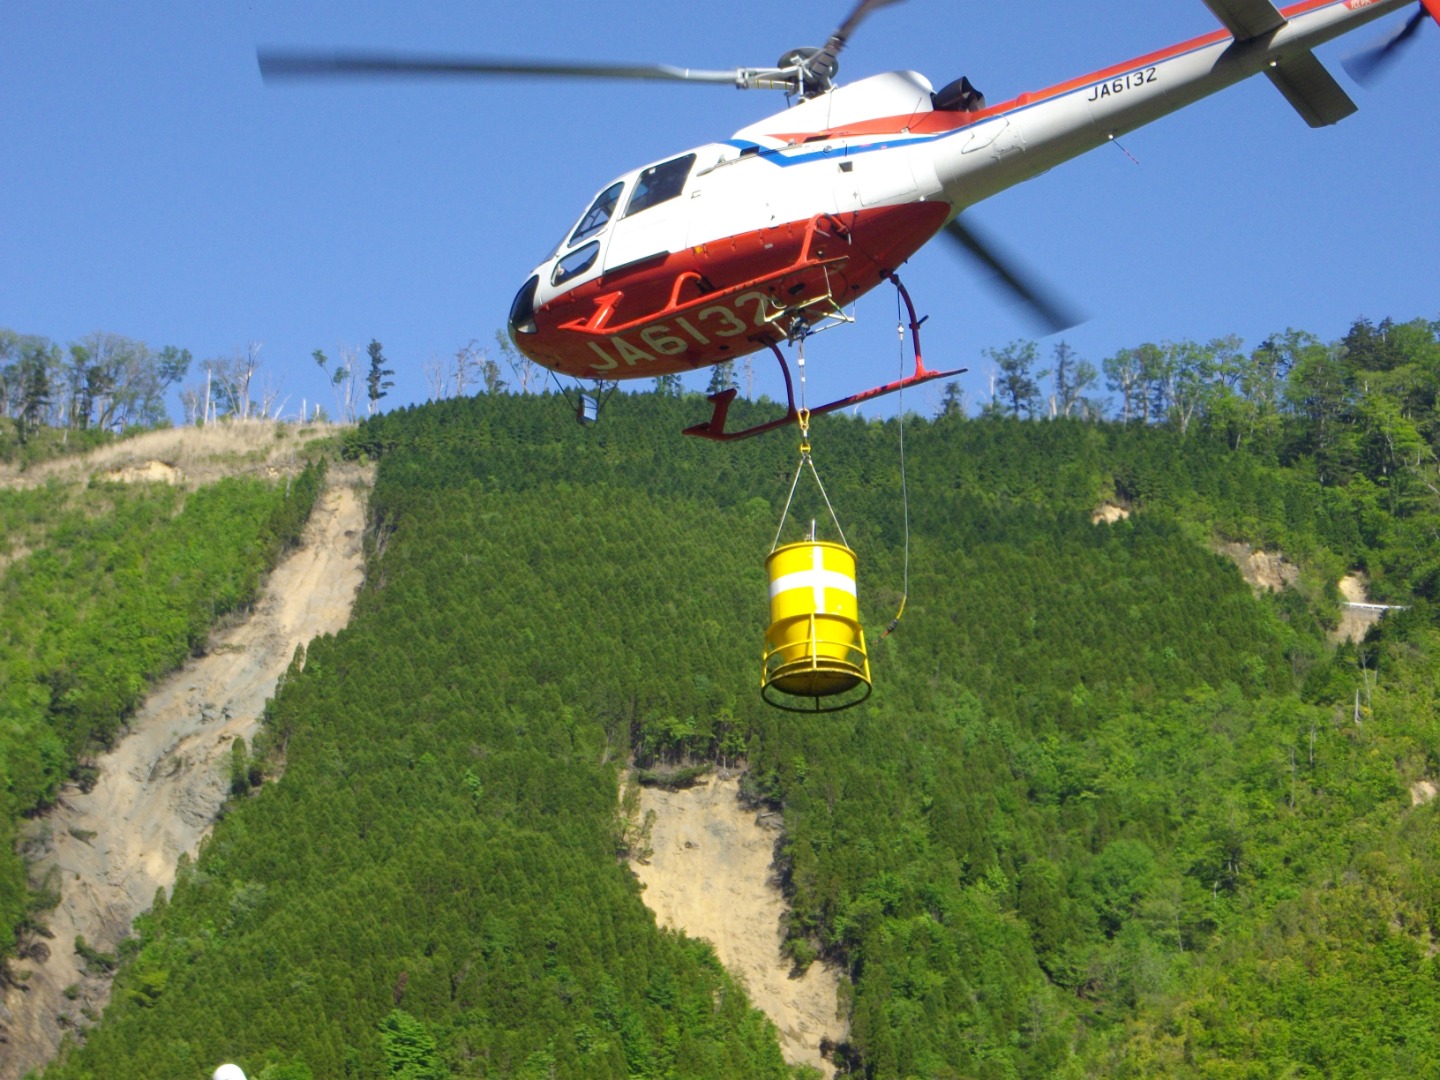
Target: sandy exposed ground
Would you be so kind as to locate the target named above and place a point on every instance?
(161, 787)
(183, 455)
(1355, 623)
(1263, 570)
(709, 875)
(1275, 573)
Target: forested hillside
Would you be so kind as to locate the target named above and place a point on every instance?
(104, 588)
(1107, 812)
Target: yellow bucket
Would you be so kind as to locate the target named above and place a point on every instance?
(814, 647)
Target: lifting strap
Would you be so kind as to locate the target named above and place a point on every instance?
(806, 461)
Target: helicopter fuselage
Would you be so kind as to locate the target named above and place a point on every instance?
(712, 254)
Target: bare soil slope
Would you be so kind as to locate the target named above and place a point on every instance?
(1263, 570)
(184, 455)
(709, 874)
(1355, 622)
(160, 789)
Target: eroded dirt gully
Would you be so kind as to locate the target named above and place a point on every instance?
(709, 874)
(161, 787)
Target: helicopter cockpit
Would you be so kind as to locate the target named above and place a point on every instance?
(580, 256)
(599, 214)
(653, 185)
(579, 253)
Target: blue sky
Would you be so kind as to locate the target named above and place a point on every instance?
(151, 185)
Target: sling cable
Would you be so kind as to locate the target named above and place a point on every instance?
(814, 658)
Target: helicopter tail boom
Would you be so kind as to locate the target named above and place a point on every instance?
(1309, 88)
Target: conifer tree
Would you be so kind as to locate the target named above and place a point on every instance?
(377, 382)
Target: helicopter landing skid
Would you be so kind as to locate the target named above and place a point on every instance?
(714, 428)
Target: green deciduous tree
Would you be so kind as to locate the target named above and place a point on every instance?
(411, 1052)
(1320, 394)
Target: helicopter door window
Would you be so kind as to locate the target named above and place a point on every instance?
(599, 214)
(577, 262)
(660, 183)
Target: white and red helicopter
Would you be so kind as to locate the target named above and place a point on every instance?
(763, 238)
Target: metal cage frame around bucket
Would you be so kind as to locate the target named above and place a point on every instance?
(814, 658)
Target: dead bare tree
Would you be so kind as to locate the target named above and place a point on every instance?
(192, 402)
(467, 360)
(526, 371)
(436, 376)
(271, 403)
(246, 367)
(342, 380)
(230, 380)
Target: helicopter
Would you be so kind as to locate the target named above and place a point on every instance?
(762, 239)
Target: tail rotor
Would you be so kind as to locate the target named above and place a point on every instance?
(1369, 65)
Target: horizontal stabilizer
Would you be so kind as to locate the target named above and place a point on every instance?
(1432, 6)
(1247, 19)
(1311, 89)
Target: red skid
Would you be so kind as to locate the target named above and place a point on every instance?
(714, 428)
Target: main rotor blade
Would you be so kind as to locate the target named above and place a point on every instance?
(1366, 66)
(1047, 308)
(821, 67)
(859, 15)
(288, 64)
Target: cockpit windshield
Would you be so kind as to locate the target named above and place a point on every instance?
(599, 214)
(660, 183)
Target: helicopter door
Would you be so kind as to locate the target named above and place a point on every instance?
(654, 221)
(883, 177)
(877, 178)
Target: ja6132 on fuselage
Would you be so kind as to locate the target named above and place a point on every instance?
(760, 239)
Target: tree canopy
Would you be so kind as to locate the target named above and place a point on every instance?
(1108, 811)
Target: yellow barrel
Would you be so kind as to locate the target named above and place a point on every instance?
(814, 647)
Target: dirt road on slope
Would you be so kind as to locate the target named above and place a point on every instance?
(709, 875)
(160, 789)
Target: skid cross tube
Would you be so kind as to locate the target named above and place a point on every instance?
(714, 428)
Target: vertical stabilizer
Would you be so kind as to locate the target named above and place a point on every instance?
(1247, 19)
(1311, 90)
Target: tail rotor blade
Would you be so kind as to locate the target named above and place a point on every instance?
(1048, 309)
(1367, 66)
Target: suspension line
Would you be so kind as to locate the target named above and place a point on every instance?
(904, 486)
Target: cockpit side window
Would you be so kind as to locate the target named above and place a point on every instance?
(576, 262)
(660, 183)
(599, 214)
